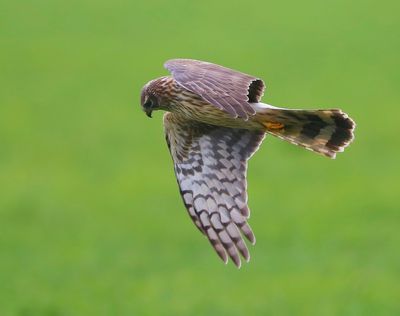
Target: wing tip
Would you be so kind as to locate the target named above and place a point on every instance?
(237, 262)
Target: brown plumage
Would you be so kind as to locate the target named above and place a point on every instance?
(215, 123)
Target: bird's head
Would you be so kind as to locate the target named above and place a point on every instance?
(150, 99)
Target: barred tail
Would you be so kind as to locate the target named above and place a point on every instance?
(323, 131)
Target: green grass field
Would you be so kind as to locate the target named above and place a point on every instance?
(91, 222)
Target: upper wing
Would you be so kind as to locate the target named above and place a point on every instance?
(210, 166)
(225, 88)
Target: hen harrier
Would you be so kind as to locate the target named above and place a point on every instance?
(214, 123)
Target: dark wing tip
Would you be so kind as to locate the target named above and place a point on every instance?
(256, 91)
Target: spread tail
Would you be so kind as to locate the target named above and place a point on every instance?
(323, 131)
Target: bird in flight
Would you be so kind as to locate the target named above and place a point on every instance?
(215, 122)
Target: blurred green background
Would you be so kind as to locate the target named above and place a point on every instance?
(91, 222)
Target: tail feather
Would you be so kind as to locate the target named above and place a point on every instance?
(323, 131)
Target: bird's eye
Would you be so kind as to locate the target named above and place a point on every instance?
(148, 103)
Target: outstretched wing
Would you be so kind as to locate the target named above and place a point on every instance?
(210, 166)
(225, 88)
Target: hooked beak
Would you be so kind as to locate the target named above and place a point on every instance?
(148, 112)
(148, 107)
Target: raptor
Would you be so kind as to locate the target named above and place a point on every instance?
(215, 122)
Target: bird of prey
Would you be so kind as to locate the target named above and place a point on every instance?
(215, 122)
